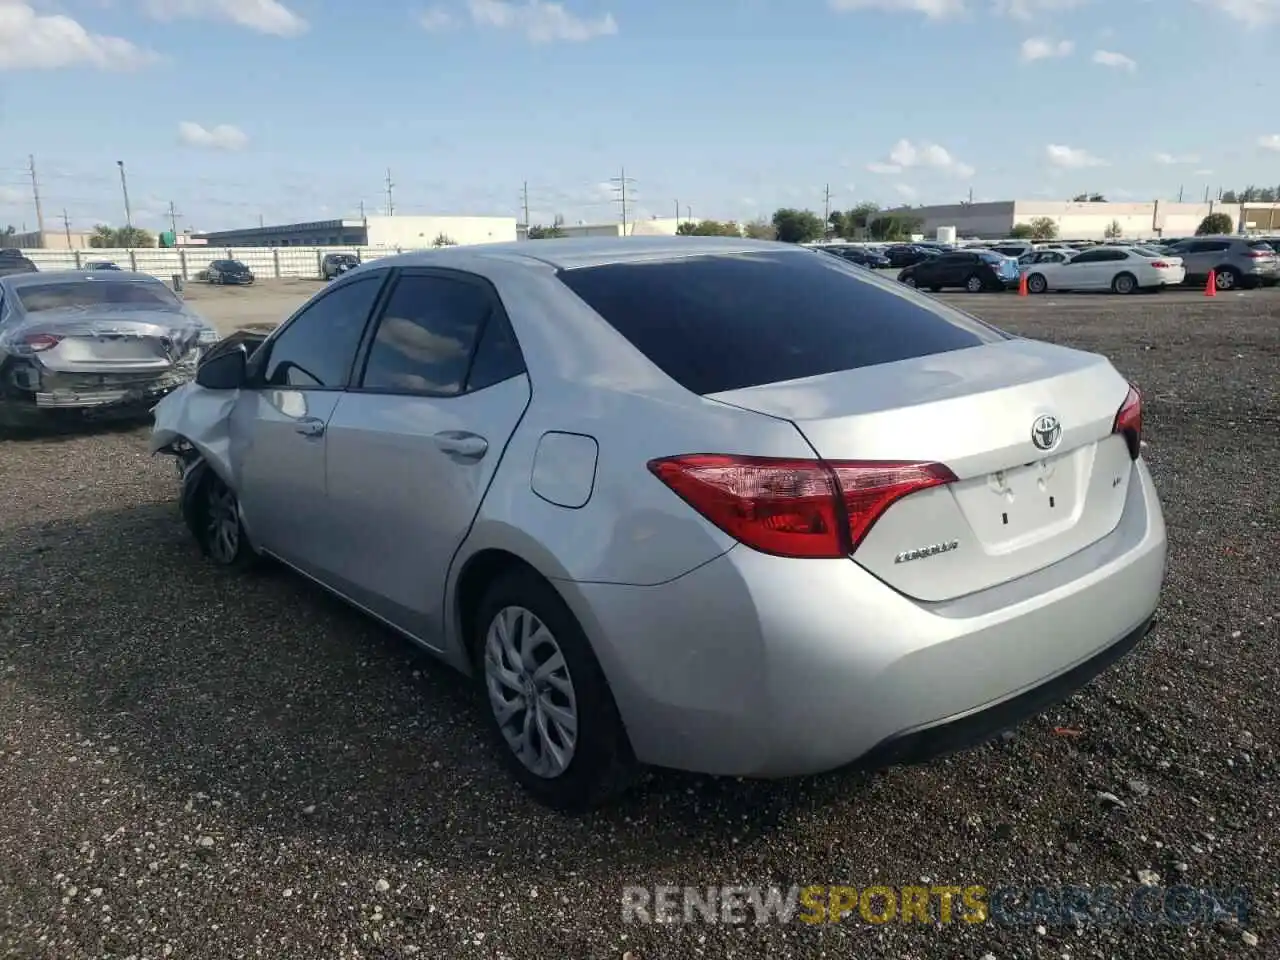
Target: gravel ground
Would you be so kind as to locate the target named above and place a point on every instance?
(198, 765)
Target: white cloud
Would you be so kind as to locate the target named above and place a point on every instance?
(263, 16)
(541, 21)
(1071, 158)
(435, 19)
(1169, 159)
(1033, 9)
(31, 41)
(933, 9)
(906, 191)
(1118, 61)
(1271, 142)
(1252, 13)
(1039, 48)
(906, 155)
(11, 196)
(1202, 173)
(222, 137)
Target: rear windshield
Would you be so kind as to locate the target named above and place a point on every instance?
(990, 257)
(1262, 245)
(137, 294)
(717, 323)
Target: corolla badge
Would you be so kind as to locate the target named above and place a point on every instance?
(1046, 432)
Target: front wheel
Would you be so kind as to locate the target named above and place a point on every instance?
(550, 708)
(212, 512)
(908, 281)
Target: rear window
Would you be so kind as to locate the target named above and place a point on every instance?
(990, 257)
(136, 294)
(718, 323)
(1262, 245)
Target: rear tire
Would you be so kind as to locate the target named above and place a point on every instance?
(537, 673)
(974, 284)
(1124, 283)
(908, 281)
(1036, 283)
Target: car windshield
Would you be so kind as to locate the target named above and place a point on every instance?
(86, 294)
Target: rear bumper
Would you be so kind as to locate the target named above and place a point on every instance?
(766, 667)
(79, 392)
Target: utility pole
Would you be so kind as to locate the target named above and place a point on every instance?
(66, 226)
(35, 193)
(128, 213)
(621, 189)
(173, 220)
(361, 209)
(677, 213)
(688, 213)
(260, 223)
(524, 198)
(826, 209)
(391, 207)
(1179, 193)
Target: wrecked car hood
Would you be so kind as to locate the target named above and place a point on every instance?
(200, 417)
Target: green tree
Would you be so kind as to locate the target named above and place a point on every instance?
(444, 240)
(1044, 228)
(117, 238)
(891, 225)
(1022, 231)
(797, 226)
(709, 228)
(8, 231)
(539, 232)
(760, 229)
(1215, 224)
(1114, 231)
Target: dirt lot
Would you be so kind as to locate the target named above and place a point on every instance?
(194, 765)
(259, 307)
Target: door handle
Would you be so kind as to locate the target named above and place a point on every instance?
(310, 427)
(461, 444)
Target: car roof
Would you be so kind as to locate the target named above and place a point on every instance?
(571, 253)
(17, 280)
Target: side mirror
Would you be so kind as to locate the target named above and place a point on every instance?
(226, 371)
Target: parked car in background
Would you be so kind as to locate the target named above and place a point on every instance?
(1114, 268)
(972, 270)
(100, 265)
(15, 261)
(335, 264)
(917, 529)
(1234, 261)
(1046, 255)
(859, 255)
(78, 341)
(229, 271)
(907, 254)
(1013, 249)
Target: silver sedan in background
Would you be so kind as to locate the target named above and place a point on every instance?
(710, 504)
(92, 341)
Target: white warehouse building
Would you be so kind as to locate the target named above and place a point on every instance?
(404, 232)
(1090, 221)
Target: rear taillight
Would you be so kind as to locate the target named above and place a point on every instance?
(1160, 264)
(1129, 421)
(41, 341)
(1259, 255)
(794, 508)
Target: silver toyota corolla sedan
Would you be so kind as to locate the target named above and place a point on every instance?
(709, 504)
(93, 342)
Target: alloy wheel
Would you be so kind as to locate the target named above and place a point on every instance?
(530, 691)
(222, 523)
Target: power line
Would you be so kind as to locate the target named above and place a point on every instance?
(621, 189)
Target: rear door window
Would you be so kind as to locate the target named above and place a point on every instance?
(717, 323)
(1262, 246)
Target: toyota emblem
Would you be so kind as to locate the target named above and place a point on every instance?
(1046, 432)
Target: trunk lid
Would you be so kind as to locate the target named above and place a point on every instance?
(1015, 507)
(107, 344)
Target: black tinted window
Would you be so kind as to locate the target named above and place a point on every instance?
(318, 347)
(1214, 246)
(1096, 256)
(1262, 246)
(497, 355)
(425, 336)
(723, 322)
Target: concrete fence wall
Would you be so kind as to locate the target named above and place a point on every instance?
(191, 262)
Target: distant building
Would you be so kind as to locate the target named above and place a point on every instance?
(380, 231)
(652, 227)
(49, 240)
(1090, 221)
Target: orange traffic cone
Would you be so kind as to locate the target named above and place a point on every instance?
(1211, 285)
(1022, 284)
